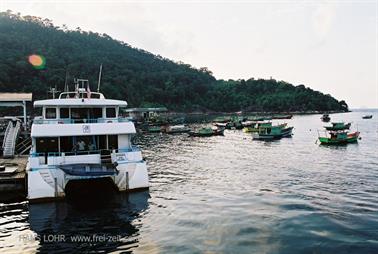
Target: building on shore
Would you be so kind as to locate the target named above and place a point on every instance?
(145, 114)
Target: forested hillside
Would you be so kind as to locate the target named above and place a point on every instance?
(140, 77)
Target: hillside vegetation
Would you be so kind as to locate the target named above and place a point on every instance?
(140, 77)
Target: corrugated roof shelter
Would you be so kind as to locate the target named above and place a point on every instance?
(15, 100)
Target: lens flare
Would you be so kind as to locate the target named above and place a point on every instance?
(37, 61)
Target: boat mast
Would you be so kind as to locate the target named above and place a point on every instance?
(99, 79)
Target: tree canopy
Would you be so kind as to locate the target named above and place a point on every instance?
(132, 74)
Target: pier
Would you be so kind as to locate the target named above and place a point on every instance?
(16, 143)
(13, 176)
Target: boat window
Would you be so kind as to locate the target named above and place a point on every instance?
(50, 113)
(79, 113)
(110, 112)
(112, 142)
(47, 145)
(95, 113)
(64, 113)
(102, 142)
(66, 144)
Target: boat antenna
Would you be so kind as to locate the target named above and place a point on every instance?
(99, 79)
(65, 82)
(53, 91)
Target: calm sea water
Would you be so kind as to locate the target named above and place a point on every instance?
(222, 195)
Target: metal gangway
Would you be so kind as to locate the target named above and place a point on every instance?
(10, 138)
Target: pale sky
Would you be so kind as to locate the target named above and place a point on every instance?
(330, 46)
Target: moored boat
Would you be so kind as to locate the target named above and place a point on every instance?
(81, 136)
(273, 132)
(207, 132)
(282, 116)
(234, 122)
(257, 125)
(222, 119)
(367, 117)
(339, 138)
(338, 126)
(325, 118)
(258, 118)
(172, 129)
(153, 129)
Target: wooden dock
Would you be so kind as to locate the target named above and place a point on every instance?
(13, 174)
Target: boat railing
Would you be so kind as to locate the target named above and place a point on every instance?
(83, 120)
(87, 152)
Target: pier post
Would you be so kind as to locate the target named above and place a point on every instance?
(127, 180)
(56, 187)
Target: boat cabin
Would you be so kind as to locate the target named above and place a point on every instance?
(80, 123)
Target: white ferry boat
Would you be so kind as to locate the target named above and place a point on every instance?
(81, 136)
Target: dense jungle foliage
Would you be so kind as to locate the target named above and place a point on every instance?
(140, 77)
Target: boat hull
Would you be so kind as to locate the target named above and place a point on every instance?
(250, 129)
(50, 183)
(214, 133)
(178, 131)
(351, 138)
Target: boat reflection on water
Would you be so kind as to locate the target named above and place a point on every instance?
(104, 221)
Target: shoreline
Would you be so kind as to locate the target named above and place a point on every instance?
(258, 113)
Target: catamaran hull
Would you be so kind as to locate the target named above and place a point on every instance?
(50, 183)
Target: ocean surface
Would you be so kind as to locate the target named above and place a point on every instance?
(223, 194)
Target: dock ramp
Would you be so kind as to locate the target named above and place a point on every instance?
(10, 138)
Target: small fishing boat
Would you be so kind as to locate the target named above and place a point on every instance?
(258, 118)
(338, 126)
(339, 138)
(222, 119)
(234, 122)
(257, 125)
(248, 123)
(273, 132)
(153, 129)
(172, 129)
(325, 118)
(367, 117)
(220, 125)
(282, 116)
(236, 125)
(207, 132)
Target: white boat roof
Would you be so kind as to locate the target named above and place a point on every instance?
(80, 102)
